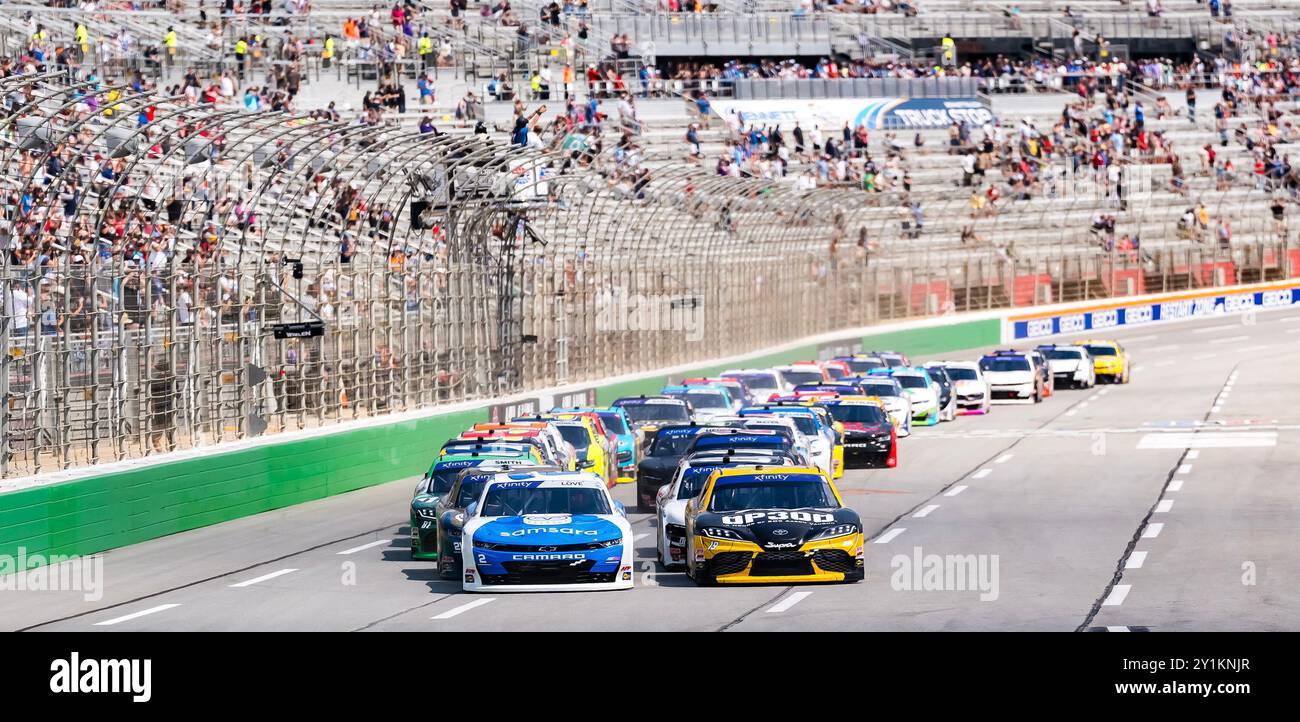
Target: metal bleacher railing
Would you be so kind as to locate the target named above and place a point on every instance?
(151, 268)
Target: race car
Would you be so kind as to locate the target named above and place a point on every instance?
(667, 447)
(869, 437)
(947, 391)
(759, 383)
(1071, 365)
(595, 450)
(821, 439)
(616, 424)
(970, 387)
(1110, 360)
(1012, 378)
(891, 394)
(892, 359)
(804, 372)
(450, 509)
(437, 481)
(706, 400)
(647, 413)
(920, 389)
(735, 387)
(862, 363)
(541, 532)
(562, 450)
(772, 526)
(460, 447)
(670, 502)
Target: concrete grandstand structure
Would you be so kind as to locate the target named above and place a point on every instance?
(155, 243)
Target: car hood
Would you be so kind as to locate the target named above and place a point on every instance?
(1009, 377)
(774, 529)
(425, 501)
(548, 529)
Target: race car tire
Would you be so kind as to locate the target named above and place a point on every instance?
(856, 576)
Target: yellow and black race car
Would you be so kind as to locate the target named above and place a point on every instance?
(773, 525)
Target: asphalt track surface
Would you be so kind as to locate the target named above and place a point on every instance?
(1171, 503)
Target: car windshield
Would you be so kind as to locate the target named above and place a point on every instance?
(835, 372)
(439, 482)
(893, 361)
(862, 366)
(762, 382)
(576, 435)
(502, 500)
(671, 444)
(704, 399)
(794, 378)
(957, 373)
(912, 382)
(656, 413)
(760, 494)
(469, 491)
(613, 422)
(1071, 354)
(1004, 363)
(1101, 350)
(805, 423)
(857, 413)
(876, 388)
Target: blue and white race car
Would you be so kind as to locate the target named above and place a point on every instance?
(546, 531)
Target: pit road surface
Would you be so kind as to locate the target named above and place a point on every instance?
(1171, 503)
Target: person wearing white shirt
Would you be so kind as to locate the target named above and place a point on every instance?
(18, 306)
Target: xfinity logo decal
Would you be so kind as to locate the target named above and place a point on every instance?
(99, 676)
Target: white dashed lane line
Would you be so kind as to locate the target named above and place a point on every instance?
(363, 547)
(455, 611)
(1117, 595)
(1184, 469)
(955, 490)
(135, 615)
(1203, 356)
(1217, 329)
(1231, 339)
(981, 473)
(1003, 459)
(1135, 560)
(788, 601)
(264, 577)
(925, 511)
(1153, 530)
(890, 535)
(1175, 485)
(1164, 506)
(1192, 454)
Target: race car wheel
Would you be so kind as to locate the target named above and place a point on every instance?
(855, 576)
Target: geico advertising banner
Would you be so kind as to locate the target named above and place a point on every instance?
(1137, 313)
(874, 113)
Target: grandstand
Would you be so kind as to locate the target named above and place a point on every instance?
(186, 266)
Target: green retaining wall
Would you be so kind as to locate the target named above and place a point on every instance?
(93, 514)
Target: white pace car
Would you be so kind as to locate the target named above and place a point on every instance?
(670, 539)
(972, 390)
(546, 531)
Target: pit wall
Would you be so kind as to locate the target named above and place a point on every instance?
(85, 511)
